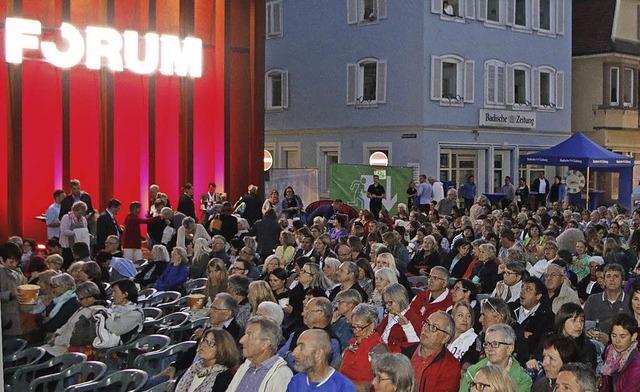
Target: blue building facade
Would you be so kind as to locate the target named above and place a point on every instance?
(450, 89)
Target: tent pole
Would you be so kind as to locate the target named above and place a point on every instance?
(587, 203)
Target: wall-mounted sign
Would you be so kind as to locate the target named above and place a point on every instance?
(268, 160)
(378, 158)
(507, 118)
(105, 46)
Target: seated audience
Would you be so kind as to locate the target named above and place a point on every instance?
(345, 302)
(492, 378)
(577, 377)
(154, 267)
(464, 336)
(557, 350)
(64, 304)
(401, 325)
(621, 368)
(238, 288)
(176, 273)
(436, 297)
(534, 312)
(393, 372)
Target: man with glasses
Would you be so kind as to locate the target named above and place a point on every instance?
(348, 277)
(601, 307)
(534, 313)
(550, 252)
(435, 367)
(238, 288)
(218, 244)
(263, 370)
(560, 293)
(436, 297)
(317, 314)
(248, 268)
(510, 285)
(499, 345)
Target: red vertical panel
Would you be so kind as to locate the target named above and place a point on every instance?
(4, 104)
(208, 107)
(41, 126)
(84, 114)
(130, 115)
(239, 120)
(167, 101)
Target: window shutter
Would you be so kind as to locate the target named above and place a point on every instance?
(469, 81)
(559, 90)
(490, 80)
(381, 82)
(511, 12)
(269, 15)
(267, 91)
(535, 14)
(436, 6)
(382, 9)
(436, 78)
(470, 9)
(285, 89)
(277, 18)
(352, 11)
(535, 88)
(482, 10)
(352, 80)
(500, 85)
(560, 17)
(508, 85)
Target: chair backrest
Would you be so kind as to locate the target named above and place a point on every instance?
(174, 306)
(152, 313)
(12, 346)
(76, 374)
(23, 375)
(121, 357)
(152, 362)
(183, 332)
(194, 284)
(167, 386)
(146, 293)
(173, 320)
(25, 357)
(161, 298)
(129, 380)
(419, 282)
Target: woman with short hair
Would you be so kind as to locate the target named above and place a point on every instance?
(621, 368)
(345, 301)
(396, 371)
(492, 378)
(557, 350)
(154, 267)
(176, 272)
(70, 222)
(64, 304)
(401, 325)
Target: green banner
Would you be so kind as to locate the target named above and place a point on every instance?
(350, 183)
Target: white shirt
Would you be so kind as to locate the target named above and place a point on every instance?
(53, 213)
(408, 329)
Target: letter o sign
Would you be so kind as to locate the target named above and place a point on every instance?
(378, 158)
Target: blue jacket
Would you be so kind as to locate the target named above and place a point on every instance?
(172, 276)
(468, 190)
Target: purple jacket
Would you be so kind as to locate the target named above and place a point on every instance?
(628, 380)
(172, 276)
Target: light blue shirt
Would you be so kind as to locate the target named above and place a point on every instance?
(53, 213)
(425, 193)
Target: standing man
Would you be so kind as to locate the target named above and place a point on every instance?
(468, 192)
(107, 224)
(540, 185)
(312, 355)
(207, 201)
(509, 191)
(263, 370)
(76, 195)
(375, 193)
(185, 204)
(424, 194)
(438, 189)
(53, 215)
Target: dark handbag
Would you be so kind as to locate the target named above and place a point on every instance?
(84, 332)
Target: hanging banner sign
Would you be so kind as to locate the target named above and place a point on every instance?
(350, 183)
(105, 46)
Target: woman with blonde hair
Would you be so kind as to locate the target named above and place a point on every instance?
(259, 291)
(154, 267)
(217, 276)
(287, 247)
(200, 260)
(492, 378)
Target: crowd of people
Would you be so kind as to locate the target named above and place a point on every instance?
(455, 295)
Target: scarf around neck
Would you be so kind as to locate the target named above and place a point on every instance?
(61, 300)
(616, 361)
(198, 369)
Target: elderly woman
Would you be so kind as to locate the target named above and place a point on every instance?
(464, 336)
(387, 260)
(64, 304)
(10, 278)
(272, 262)
(499, 345)
(190, 231)
(491, 378)
(287, 247)
(393, 372)
(154, 267)
(91, 272)
(176, 272)
(330, 270)
(54, 262)
(72, 333)
(401, 325)
(621, 368)
(425, 259)
(200, 259)
(485, 272)
(46, 292)
(345, 301)
(217, 276)
(557, 351)
(384, 277)
(217, 354)
(69, 223)
(355, 358)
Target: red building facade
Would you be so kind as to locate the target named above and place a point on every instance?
(119, 132)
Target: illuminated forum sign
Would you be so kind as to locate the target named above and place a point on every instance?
(105, 46)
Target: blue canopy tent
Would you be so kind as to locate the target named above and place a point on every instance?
(579, 152)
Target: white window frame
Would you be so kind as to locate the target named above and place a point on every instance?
(274, 19)
(324, 148)
(465, 73)
(617, 95)
(624, 86)
(556, 18)
(355, 83)
(356, 10)
(284, 89)
(369, 148)
(511, 16)
(466, 10)
(483, 9)
(285, 147)
(536, 88)
(272, 148)
(494, 82)
(510, 85)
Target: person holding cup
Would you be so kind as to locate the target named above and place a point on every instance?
(10, 278)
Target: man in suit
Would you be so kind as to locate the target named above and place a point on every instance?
(76, 195)
(107, 224)
(540, 185)
(185, 204)
(207, 200)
